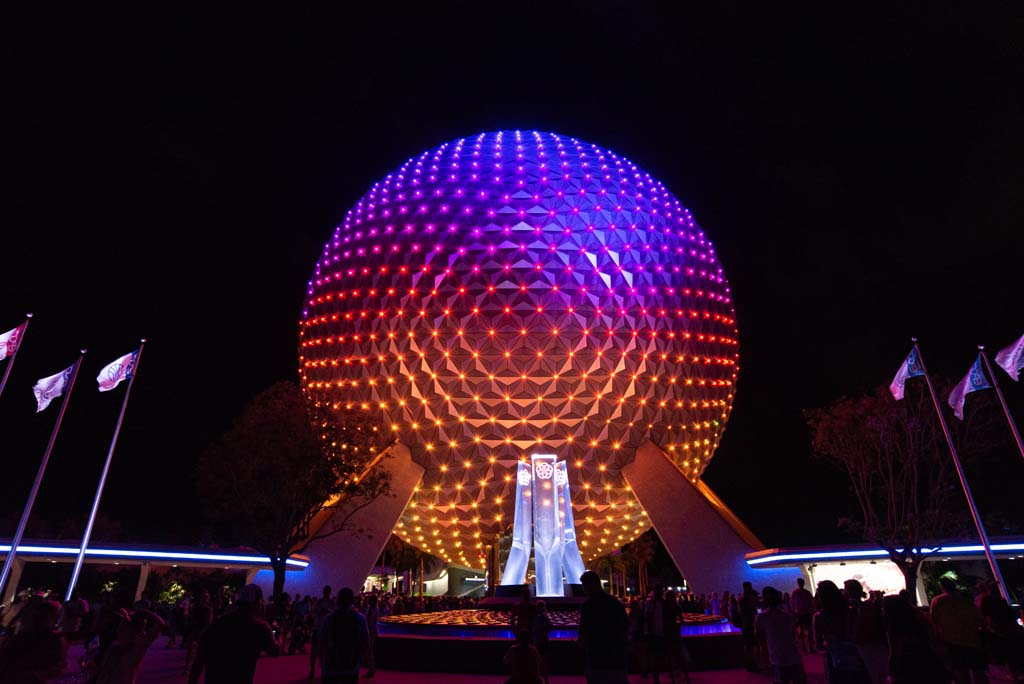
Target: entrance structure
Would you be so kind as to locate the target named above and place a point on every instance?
(520, 293)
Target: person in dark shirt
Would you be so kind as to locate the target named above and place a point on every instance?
(229, 649)
(344, 640)
(523, 612)
(37, 651)
(524, 660)
(200, 618)
(541, 634)
(748, 603)
(603, 632)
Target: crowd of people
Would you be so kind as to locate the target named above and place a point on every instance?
(221, 635)
(876, 639)
(863, 639)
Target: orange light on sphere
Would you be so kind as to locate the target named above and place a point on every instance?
(518, 293)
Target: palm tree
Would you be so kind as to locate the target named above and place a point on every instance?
(640, 552)
(611, 564)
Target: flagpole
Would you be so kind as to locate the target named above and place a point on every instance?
(1002, 400)
(103, 479)
(9, 561)
(993, 565)
(10, 364)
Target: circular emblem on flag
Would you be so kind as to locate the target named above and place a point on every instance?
(544, 470)
(523, 477)
(113, 371)
(560, 477)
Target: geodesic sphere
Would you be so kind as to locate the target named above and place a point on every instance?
(514, 293)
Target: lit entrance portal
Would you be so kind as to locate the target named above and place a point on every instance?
(543, 519)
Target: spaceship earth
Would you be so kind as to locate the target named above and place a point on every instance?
(514, 293)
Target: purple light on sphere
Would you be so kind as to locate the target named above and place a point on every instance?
(517, 293)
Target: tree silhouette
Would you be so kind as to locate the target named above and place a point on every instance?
(900, 468)
(280, 467)
(638, 554)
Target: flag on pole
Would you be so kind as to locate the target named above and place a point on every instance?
(10, 340)
(974, 380)
(116, 371)
(49, 388)
(1010, 359)
(911, 368)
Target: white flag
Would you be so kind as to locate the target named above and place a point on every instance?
(49, 388)
(1011, 359)
(116, 371)
(10, 340)
(910, 368)
(974, 380)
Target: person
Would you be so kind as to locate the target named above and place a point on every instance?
(748, 611)
(957, 624)
(636, 634)
(672, 619)
(36, 651)
(602, 631)
(832, 635)
(523, 612)
(321, 609)
(1002, 633)
(372, 614)
(912, 660)
(714, 605)
(230, 647)
(200, 617)
(72, 613)
(343, 641)
(777, 628)
(541, 633)
(867, 631)
(654, 633)
(109, 618)
(123, 660)
(802, 603)
(524, 660)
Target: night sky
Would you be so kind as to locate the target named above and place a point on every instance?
(174, 173)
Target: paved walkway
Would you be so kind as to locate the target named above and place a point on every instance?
(163, 666)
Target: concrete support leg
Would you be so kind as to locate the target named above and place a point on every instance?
(706, 540)
(12, 582)
(346, 558)
(143, 579)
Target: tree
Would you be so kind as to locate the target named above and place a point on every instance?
(639, 553)
(900, 469)
(406, 557)
(282, 467)
(612, 564)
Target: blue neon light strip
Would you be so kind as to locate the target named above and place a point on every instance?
(876, 553)
(145, 554)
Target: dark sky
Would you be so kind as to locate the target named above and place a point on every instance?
(173, 173)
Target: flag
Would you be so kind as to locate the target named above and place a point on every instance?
(116, 371)
(10, 340)
(49, 388)
(911, 368)
(1010, 359)
(974, 380)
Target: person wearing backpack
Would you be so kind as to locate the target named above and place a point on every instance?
(344, 641)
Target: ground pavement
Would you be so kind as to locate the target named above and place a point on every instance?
(163, 666)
